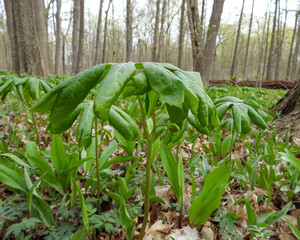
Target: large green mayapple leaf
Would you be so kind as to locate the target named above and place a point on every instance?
(66, 96)
(111, 87)
(243, 112)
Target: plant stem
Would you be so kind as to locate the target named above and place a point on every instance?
(150, 140)
(231, 145)
(97, 167)
(36, 131)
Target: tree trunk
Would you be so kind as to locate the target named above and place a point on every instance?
(248, 42)
(11, 32)
(259, 75)
(271, 67)
(155, 39)
(234, 61)
(196, 34)
(181, 35)
(75, 34)
(288, 70)
(129, 31)
(58, 49)
(267, 44)
(296, 54)
(98, 34)
(161, 33)
(81, 38)
(24, 28)
(105, 32)
(210, 45)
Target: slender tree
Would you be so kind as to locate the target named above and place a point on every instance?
(210, 45)
(270, 68)
(58, 45)
(181, 34)
(81, 38)
(129, 31)
(288, 70)
(98, 34)
(75, 34)
(155, 35)
(161, 32)
(248, 41)
(196, 34)
(236, 47)
(105, 32)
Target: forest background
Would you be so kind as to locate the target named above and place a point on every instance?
(253, 40)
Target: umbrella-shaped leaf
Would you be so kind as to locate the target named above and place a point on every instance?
(123, 123)
(33, 86)
(111, 88)
(66, 96)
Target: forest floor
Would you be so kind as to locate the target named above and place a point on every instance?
(276, 183)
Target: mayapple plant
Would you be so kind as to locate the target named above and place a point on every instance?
(179, 93)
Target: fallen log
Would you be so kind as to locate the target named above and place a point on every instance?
(280, 84)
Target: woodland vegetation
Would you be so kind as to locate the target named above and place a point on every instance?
(110, 129)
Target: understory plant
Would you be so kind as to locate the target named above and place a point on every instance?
(158, 87)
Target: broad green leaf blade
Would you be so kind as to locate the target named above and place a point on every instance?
(257, 119)
(210, 195)
(107, 153)
(44, 210)
(250, 212)
(123, 123)
(64, 125)
(269, 218)
(164, 82)
(127, 223)
(171, 168)
(138, 85)
(111, 88)
(294, 229)
(119, 159)
(66, 96)
(12, 179)
(46, 87)
(291, 158)
(78, 234)
(59, 157)
(84, 214)
(85, 126)
(33, 86)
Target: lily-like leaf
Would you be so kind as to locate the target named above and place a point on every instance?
(210, 195)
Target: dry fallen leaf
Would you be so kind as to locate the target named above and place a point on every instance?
(186, 233)
(159, 228)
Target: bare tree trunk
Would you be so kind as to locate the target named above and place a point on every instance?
(155, 42)
(259, 75)
(270, 68)
(181, 35)
(288, 70)
(296, 54)
(248, 42)
(58, 50)
(26, 48)
(129, 31)
(196, 34)
(161, 33)
(11, 31)
(210, 45)
(267, 44)
(81, 39)
(280, 43)
(234, 61)
(98, 34)
(75, 34)
(105, 32)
